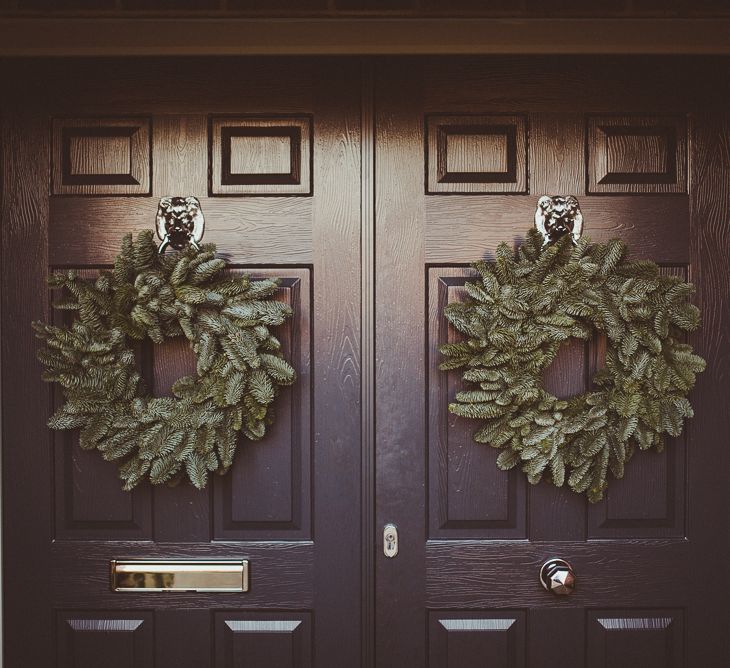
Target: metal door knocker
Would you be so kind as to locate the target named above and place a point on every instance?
(179, 222)
(556, 216)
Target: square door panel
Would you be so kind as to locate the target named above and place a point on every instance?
(476, 154)
(261, 155)
(637, 154)
(101, 156)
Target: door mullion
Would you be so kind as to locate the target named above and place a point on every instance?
(367, 352)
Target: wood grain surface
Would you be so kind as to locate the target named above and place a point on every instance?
(708, 456)
(26, 441)
(292, 503)
(400, 314)
(631, 551)
(371, 258)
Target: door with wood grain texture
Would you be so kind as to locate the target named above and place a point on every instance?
(272, 150)
(465, 147)
(368, 188)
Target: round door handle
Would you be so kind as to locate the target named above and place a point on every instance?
(558, 577)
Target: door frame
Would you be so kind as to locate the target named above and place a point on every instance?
(357, 35)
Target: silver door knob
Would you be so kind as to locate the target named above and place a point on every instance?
(558, 577)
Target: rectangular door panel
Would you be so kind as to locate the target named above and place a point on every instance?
(117, 640)
(266, 494)
(640, 221)
(281, 640)
(651, 638)
(475, 154)
(245, 228)
(636, 154)
(469, 496)
(89, 500)
(253, 155)
(101, 156)
(649, 501)
(475, 639)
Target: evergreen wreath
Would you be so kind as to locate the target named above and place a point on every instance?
(515, 320)
(227, 320)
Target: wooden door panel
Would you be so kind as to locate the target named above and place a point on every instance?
(89, 500)
(636, 154)
(281, 640)
(651, 638)
(118, 640)
(265, 496)
(478, 574)
(285, 572)
(101, 156)
(476, 538)
(469, 640)
(469, 496)
(649, 501)
(473, 154)
(183, 637)
(556, 163)
(268, 156)
(654, 226)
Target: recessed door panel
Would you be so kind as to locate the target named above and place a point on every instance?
(277, 640)
(635, 637)
(118, 640)
(469, 496)
(475, 639)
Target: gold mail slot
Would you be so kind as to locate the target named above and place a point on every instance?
(216, 575)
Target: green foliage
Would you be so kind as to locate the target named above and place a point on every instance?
(226, 318)
(519, 312)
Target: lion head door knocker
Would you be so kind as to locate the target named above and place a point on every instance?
(557, 215)
(180, 222)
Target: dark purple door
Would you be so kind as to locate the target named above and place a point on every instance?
(89, 149)
(369, 198)
(465, 147)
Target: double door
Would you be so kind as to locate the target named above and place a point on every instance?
(368, 187)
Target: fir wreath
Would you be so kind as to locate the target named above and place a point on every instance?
(518, 315)
(227, 320)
